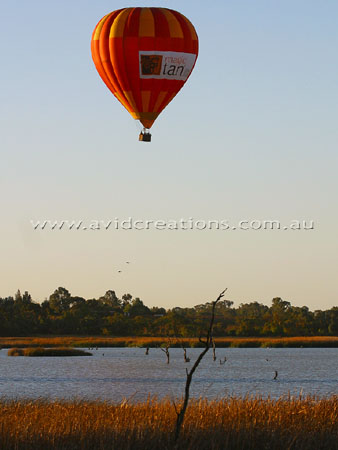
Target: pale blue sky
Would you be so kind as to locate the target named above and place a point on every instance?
(253, 135)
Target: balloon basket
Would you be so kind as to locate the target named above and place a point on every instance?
(144, 136)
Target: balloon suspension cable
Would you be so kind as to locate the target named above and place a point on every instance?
(145, 135)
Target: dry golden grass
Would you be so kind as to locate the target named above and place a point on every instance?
(77, 341)
(231, 423)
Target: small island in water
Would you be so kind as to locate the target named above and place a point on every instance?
(40, 351)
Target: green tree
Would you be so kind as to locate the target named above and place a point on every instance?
(60, 300)
(111, 299)
(136, 308)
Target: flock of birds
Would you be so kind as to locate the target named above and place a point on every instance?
(120, 271)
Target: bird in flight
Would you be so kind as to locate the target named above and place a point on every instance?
(119, 271)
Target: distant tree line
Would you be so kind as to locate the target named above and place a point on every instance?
(63, 314)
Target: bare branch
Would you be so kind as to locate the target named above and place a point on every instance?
(206, 343)
(175, 407)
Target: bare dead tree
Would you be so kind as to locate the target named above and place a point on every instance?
(180, 341)
(186, 359)
(213, 349)
(166, 351)
(207, 343)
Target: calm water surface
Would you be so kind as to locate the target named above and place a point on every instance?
(117, 373)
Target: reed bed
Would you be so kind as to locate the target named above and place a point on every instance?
(39, 351)
(99, 341)
(230, 423)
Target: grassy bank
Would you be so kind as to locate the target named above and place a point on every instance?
(39, 351)
(78, 341)
(231, 423)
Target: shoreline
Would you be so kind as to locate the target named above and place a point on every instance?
(153, 342)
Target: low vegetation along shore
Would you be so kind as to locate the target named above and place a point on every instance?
(90, 342)
(231, 423)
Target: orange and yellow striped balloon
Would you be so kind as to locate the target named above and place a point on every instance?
(144, 56)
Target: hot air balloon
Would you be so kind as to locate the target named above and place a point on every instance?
(144, 56)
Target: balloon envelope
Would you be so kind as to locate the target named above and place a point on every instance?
(144, 56)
